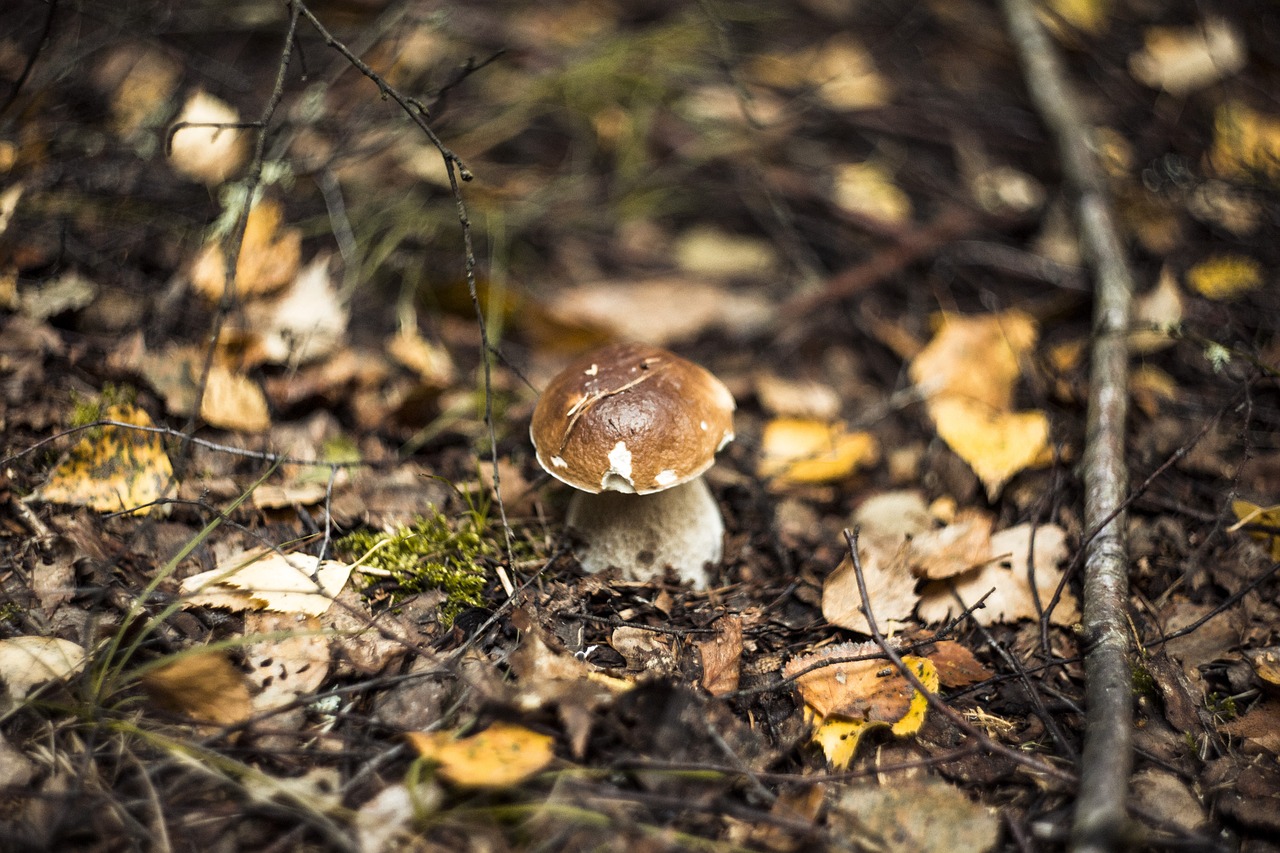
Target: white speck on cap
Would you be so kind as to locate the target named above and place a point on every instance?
(558, 462)
(665, 477)
(619, 463)
(592, 370)
(703, 425)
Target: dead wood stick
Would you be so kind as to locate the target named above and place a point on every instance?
(1100, 819)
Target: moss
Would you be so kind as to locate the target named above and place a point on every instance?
(432, 554)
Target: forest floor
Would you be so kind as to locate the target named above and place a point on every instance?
(279, 569)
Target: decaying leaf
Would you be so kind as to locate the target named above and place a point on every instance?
(206, 154)
(956, 665)
(996, 444)
(795, 451)
(840, 71)
(232, 401)
(113, 469)
(962, 545)
(27, 662)
(270, 256)
(1260, 725)
(710, 252)
(796, 398)
(847, 699)
(202, 685)
(722, 656)
(926, 815)
(890, 585)
(867, 189)
(1155, 314)
(284, 667)
(1246, 143)
(267, 580)
(498, 757)
(1006, 573)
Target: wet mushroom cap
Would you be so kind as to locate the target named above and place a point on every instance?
(631, 418)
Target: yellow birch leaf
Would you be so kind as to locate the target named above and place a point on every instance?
(113, 469)
(995, 444)
(977, 358)
(1246, 143)
(232, 401)
(202, 685)
(269, 257)
(868, 189)
(839, 739)
(1225, 277)
(1251, 513)
(498, 757)
(795, 450)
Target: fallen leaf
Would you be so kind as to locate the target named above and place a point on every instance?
(1251, 513)
(995, 444)
(706, 251)
(1182, 60)
(722, 656)
(924, 815)
(1260, 725)
(1266, 665)
(890, 585)
(202, 685)
(848, 699)
(892, 517)
(234, 402)
(1150, 387)
(113, 469)
(140, 82)
(1088, 16)
(1006, 573)
(267, 580)
(28, 662)
(795, 451)
(977, 358)
(1246, 143)
(270, 256)
(1156, 314)
(962, 545)
(429, 360)
(288, 666)
(498, 757)
(867, 189)
(956, 665)
(303, 323)
(209, 155)
(68, 292)
(1225, 276)
(796, 398)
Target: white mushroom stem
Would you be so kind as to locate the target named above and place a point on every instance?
(641, 535)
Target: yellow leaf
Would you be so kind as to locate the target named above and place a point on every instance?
(795, 450)
(202, 685)
(1088, 16)
(232, 401)
(263, 580)
(1225, 277)
(113, 469)
(868, 189)
(977, 358)
(1246, 143)
(269, 257)
(839, 739)
(1251, 513)
(914, 718)
(995, 444)
(498, 757)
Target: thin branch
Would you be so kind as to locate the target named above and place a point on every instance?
(1100, 820)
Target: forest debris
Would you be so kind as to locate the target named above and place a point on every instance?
(203, 685)
(1269, 517)
(28, 662)
(1266, 665)
(798, 451)
(710, 252)
(944, 552)
(267, 580)
(846, 700)
(1155, 314)
(233, 401)
(1005, 572)
(841, 72)
(1260, 725)
(1246, 143)
(301, 324)
(956, 665)
(796, 398)
(284, 667)
(113, 469)
(209, 155)
(139, 81)
(914, 816)
(68, 292)
(889, 584)
(270, 256)
(967, 373)
(1225, 276)
(867, 189)
(722, 657)
(892, 517)
(498, 757)
(1182, 60)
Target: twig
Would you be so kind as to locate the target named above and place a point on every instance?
(1100, 819)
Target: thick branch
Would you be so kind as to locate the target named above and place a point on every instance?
(1107, 760)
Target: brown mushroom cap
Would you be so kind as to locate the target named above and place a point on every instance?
(631, 418)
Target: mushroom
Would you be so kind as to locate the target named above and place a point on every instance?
(632, 428)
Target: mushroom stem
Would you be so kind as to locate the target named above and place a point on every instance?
(641, 535)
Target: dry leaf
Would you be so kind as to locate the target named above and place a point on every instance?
(113, 469)
(234, 402)
(956, 665)
(892, 517)
(1088, 16)
(1225, 277)
(269, 257)
(28, 662)
(710, 252)
(867, 189)
(995, 444)
(962, 545)
(722, 657)
(1150, 386)
(202, 685)
(889, 583)
(1266, 665)
(1260, 725)
(498, 757)
(430, 361)
(1155, 314)
(1182, 60)
(140, 81)
(796, 398)
(794, 451)
(975, 358)
(209, 155)
(1013, 598)
(1246, 143)
(925, 815)
(266, 580)
(289, 666)
(304, 323)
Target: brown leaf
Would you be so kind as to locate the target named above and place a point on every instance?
(722, 657)
(202, 685)
(956, 665)
(889, 583)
